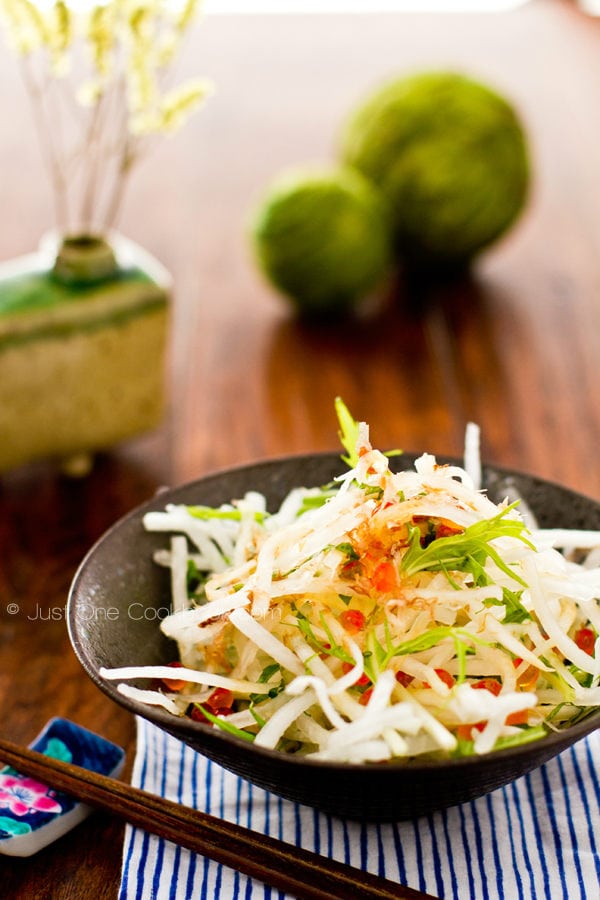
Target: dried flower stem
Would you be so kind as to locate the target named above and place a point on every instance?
(47, 138)
(94, 84)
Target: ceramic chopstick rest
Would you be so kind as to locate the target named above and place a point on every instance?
(33, 815)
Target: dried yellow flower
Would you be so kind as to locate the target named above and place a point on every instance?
(101, 38)
(116, 54)
(178, 104)
(25, 25)
(59, 34)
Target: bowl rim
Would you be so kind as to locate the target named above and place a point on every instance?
(545, 747)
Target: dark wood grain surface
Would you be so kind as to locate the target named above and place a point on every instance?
(514, 348)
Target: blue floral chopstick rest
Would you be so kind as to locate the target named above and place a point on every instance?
(33, 815)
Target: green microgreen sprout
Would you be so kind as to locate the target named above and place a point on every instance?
(224, 725)
(233, 515)
(348, 433)
(466, 551)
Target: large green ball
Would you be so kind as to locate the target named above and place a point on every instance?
(323, 239)
(450, 155)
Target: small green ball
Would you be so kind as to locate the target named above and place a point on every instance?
(323, 239)
(451, 157)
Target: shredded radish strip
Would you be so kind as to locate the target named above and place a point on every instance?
(578, 539)
(183, 619)
(152, 698)
(280, 721)
(303, 683)
(472, 455)
(194, 677)
(178, 566)
(265, 640)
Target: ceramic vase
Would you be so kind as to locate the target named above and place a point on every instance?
(83, 337)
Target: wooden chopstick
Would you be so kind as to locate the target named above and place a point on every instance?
(301, 873)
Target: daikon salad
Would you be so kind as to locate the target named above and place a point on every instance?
(385, 616)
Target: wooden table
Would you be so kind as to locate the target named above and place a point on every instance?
(515, 348)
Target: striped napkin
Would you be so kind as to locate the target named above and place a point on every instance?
(536, 839)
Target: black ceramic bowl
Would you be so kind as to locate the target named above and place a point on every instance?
(118, 596)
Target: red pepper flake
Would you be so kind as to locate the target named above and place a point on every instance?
(174, 684)
(445, 528)
(527, 680)
(404, 678)
(365, 697)
(585, 639)
(385, 577)
(518, 718)
(465, 732)
(325, 655)
(445, 676)
(364, 679)
(488, 684)
(220, 701)
(353, 620)
(198, 715)
(352, 568)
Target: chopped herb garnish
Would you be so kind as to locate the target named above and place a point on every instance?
(264, 678)
(223, 724)
(348, 432)
(372, 490)
(267, 672)
(195, 579)
(329, 647)
(315, 501)
(235, 515)
(515, 611)
(347, 549)
(467, 551)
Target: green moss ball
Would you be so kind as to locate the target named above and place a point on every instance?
(323, 239)
(450, 156)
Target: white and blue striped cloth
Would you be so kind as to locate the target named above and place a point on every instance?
(536, 839)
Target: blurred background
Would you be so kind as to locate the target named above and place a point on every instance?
(284, 84)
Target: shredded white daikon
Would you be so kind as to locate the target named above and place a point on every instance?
(389, 615)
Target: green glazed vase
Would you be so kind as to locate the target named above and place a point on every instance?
(83, 337)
